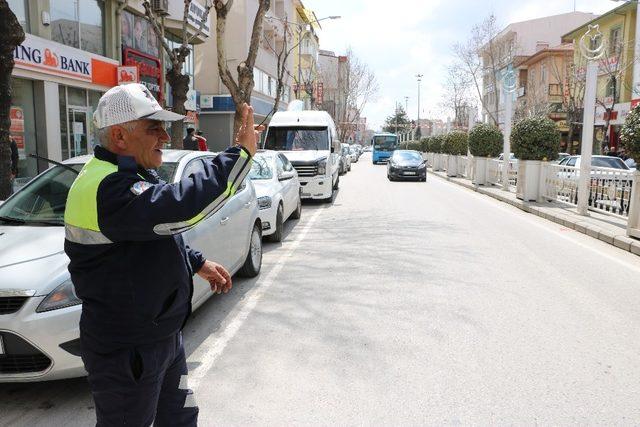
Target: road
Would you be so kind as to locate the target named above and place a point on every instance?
(407, 304)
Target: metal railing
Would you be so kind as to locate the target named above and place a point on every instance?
(609, 189)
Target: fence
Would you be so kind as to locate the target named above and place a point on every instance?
(611, 191)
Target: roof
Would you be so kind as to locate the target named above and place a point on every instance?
(563, 48)
(627, 6)
(307, 118)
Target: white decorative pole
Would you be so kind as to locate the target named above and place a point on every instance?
(508, 86)
(593, 37)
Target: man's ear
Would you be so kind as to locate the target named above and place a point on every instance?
(118, 138)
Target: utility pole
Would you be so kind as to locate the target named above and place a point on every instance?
(419, 77)
(406, 104)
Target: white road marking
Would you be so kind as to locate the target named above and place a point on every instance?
(208, 352)
(574, 236)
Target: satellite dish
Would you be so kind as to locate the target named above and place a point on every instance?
(296, 105)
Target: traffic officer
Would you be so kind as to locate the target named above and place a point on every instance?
(130, 265)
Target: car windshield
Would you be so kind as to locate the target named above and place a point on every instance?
(42, 201)
(407, 156)
(297, 138)
(384, 143)
(609, 162)
(167, 171)
(260, 168)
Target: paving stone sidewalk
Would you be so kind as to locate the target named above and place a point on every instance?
(609, 229)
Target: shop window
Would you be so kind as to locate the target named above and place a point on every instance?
(78, 24)
(76, 112)
(23, 131)
(19, 8)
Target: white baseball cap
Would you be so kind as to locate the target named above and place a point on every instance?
(127, 103)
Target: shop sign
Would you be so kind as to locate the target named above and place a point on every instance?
(191, 103)
(49, 57)
(634, 103)
(319, 93)
(562, 125)
(149, 70)
(128, 74)
(16, 114)
(196, 15)
(206, 101)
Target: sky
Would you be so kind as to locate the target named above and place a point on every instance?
(398, 39)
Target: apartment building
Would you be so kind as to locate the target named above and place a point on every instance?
(512, 46)
(307, 87)
(72, 54)
(217, 108)
(618, 72)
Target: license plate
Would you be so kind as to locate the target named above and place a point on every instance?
(1, 345)
(409, 173)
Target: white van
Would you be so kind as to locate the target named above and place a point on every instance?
(310, 142)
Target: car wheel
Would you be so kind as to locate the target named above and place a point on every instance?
(277, 235)
(253, 263)
(298, 212)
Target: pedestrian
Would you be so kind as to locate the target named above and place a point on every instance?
(202, 141)
(189, 142)
(129, 263)
(14, 162)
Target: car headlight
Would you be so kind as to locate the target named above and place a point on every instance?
(61, 297)
(322, 167)
(422, 166)
(264, 202)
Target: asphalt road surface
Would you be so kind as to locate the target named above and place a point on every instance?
(407, 303)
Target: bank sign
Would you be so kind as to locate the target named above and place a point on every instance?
(49, 57)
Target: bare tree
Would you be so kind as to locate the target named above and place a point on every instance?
(358, 87)
(11, 35)
(282, 51)
(618, 60)
(178, 81)
(241, 90)
(534, 104)
(572, 86)
(456, 98)
(483, 57)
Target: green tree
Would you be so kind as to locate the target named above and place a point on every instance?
(11, 35)
(397, 122)
(630, 133)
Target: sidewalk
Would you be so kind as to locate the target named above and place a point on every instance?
(608, 229)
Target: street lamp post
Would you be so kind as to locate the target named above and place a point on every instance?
(592, 48)
(509, 87)
(419, 77)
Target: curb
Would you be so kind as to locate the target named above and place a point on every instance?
(621, 241)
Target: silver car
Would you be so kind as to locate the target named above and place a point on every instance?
(39, 312)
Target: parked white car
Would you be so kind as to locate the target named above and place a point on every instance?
(345, 159)
(278, 191)
(353, 152)
(39, 312)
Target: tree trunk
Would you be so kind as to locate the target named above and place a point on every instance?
(11, 35)
(179, 87)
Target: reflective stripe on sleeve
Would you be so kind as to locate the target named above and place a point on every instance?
(239, 171)
(85, 236)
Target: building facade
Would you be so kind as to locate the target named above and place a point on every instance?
(615, 95)
(306, 66)
(512, 46)
(71, 55)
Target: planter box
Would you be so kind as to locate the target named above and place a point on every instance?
(452, 166)
(529, 176)
(437, 162)
(479, 168)
(633, 226)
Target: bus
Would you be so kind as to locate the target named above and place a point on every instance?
(383, 146)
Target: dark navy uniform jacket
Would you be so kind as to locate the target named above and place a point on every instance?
(135, 280)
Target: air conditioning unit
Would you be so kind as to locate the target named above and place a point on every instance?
(160, 7)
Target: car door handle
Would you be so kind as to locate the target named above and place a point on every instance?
(224, 220)
(247, 205)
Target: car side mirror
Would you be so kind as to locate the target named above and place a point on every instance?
(285, 176)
